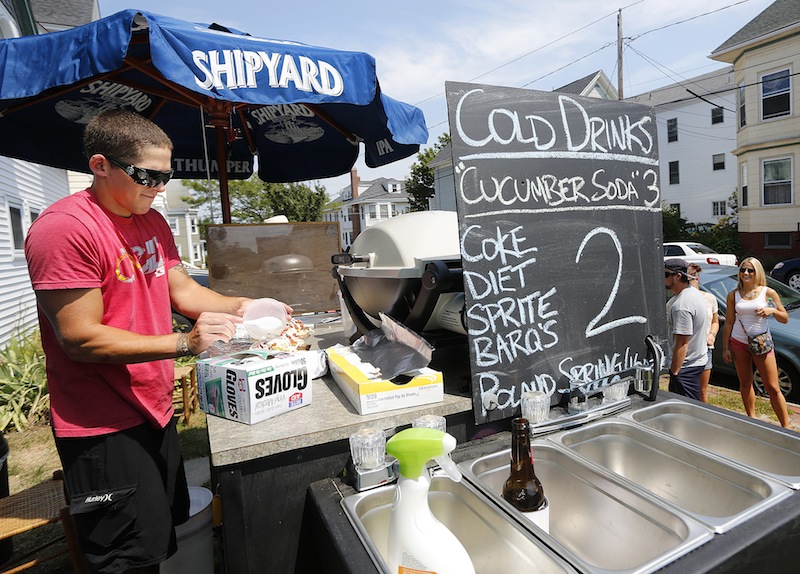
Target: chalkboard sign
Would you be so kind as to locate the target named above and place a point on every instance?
(560, 231)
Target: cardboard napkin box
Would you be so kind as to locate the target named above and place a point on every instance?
(370, 394)
(252, 386)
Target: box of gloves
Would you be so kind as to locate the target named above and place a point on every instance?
(254, 385)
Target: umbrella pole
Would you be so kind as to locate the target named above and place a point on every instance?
(219, 119)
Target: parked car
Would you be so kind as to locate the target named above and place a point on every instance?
(788, 272)
(694, 252)
(719, 280)
(181, 322)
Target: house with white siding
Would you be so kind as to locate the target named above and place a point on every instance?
(27, 188)
(363, 204)
(696, 137)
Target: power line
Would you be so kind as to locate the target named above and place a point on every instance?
(608, 44)
(687, 20)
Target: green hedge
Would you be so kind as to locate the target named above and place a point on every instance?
(23, 383)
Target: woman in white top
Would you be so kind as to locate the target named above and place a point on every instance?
(748, 309)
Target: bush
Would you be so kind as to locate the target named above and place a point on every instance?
(23, 383)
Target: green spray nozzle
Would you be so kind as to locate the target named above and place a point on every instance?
(414, 447)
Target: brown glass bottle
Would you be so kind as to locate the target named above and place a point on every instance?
(522, 489)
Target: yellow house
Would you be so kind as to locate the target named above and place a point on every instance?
(765, 54)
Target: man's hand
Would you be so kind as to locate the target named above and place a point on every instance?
(211, 327)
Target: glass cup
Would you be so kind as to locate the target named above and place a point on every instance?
(430, 421)
(578, 402)
(368, 448)
(535, 406)
(615, 392)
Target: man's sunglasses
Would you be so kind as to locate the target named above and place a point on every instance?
(140, 175)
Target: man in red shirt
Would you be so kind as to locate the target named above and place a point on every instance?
(106, 273)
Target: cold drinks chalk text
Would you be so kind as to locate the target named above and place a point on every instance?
(588, 134)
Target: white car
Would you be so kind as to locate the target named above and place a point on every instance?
(693, 252)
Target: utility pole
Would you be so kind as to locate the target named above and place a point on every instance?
(619, 54)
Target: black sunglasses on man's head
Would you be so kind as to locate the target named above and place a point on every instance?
(140, 175)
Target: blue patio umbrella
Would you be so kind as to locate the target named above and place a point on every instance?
(223, 97)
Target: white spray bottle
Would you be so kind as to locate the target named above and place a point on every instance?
(417, 541)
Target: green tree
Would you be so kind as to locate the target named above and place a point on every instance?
(419, 184)
(724, 236)
(297, 201)
(205, 194)
(253, 200)
(249, 202)
(673, 224)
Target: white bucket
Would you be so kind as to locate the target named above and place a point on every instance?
(195, 553)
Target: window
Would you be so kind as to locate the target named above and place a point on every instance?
(676, 207)
(672, 130)
(674, 173)
(17, 234)
(717, 116)
(197, 252)
(384, 210)
(777, 181)
(740, 106)
(34, 213)
(718, 160)
(195, 227)
(743, 185)
(776, 95)
(174, 225)
(718, 208)
(778, 240)
(673, 251)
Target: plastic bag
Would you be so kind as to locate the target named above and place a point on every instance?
(393, 349)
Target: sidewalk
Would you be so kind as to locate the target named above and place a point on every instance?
(198, 471)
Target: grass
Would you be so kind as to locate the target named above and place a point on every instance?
(731, 400)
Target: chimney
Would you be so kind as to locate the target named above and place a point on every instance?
(354, 181)
(355, 211)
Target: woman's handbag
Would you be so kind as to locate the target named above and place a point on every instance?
(760, 344)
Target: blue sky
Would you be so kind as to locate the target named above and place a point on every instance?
(537, 44)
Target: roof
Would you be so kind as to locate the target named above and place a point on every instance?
(707, 84)
(776, 17)
(595, 84)
(379, 190)
(373, 190)
(64, 13)
(578, 86)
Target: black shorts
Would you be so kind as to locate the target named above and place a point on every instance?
(127, 493)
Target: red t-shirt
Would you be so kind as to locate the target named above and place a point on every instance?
(77, 244)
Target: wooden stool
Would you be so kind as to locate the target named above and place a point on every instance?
(186, 381)
(44, 503)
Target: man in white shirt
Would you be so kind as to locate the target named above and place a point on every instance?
(687, 321)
